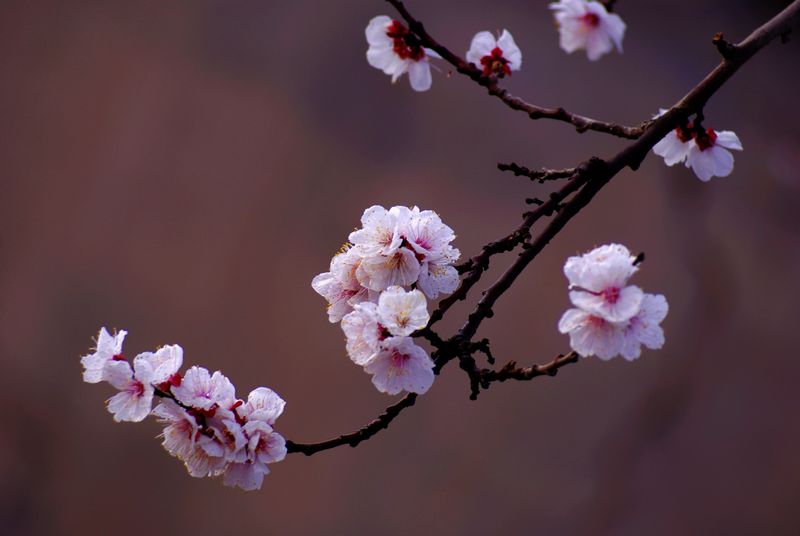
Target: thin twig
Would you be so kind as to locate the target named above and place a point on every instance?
(580, 122)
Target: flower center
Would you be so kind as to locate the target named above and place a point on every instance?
(590, 20)
(495, 64)
(611, 295)
(706, 140)
(684, 133)
(398, 359)
(404, 43)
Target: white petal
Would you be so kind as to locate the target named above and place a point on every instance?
(419, 74)
(482, 45)
(729, 140)
(376, 31)
(511, 51)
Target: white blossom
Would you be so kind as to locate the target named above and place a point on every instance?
(264, 445)
(644, 328)
(396, 51)
(108, 347)
(339, 286)
(599, 283)
(589, 26)
(402, 312)
(135, 398)
(591, 335)
(404, 246)
(610, 317)
(363, 332)
(202, 390)
(674, 147)
(496, 57)
(709, 156)
(400, 365)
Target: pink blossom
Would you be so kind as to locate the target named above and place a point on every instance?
(135, 398)
(339, 286)
(591, 335)
(589, 26)
(363, 332)
(644, 328)
(201, 390)
(599, 283)
(401, 365)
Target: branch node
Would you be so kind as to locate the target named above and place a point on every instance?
(726, 49)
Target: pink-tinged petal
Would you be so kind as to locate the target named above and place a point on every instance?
(598, 43)
(619, 309)
(106, 348)
(432, 53)
(572, 37)
(401, 268)
(436, 279)
(132, 405)
(401, 365)
(263, 404)
(419, 75)
(362, 331)
(402, 312)
(119, 374)
(482, 45)
(247, 476)
(729, 140)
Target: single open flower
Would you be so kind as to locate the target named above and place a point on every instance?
(709, 156)
(396, 51)
(589, 26)
(496, 57)
(400, 365)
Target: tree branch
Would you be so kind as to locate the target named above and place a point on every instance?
(589, 179)
(580, 122)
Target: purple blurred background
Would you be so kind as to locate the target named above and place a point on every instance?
(183, 169)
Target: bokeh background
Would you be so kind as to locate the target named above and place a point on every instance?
(182, 169)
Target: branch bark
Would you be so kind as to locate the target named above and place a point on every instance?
(590, 178)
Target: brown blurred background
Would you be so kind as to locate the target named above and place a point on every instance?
(183, 169)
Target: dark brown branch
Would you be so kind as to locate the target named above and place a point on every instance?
(511, 372)
(592, 176)
(542, 175)
(480, 263)
(602, 172)
(354, 438)
(581, 123)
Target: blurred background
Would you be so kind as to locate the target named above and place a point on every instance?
(182, 169)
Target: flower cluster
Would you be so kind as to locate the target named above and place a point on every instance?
(378, 340)
(370, 282)
(703, 150)
(589, 26)
(610, 317)
(206, 426)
